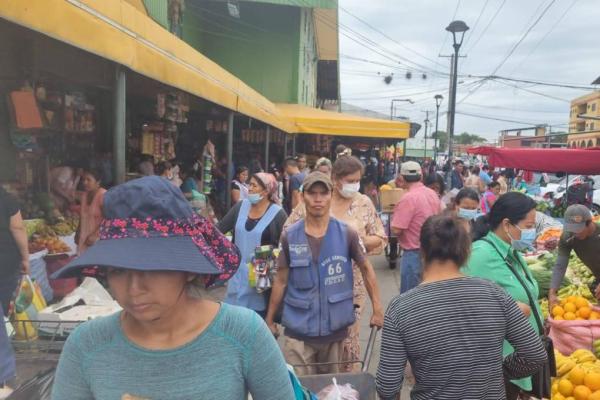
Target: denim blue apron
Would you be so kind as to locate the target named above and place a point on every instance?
(319, 298)
(239, 292)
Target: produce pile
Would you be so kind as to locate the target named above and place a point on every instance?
(43, 236)
(573, 308)
(578, 376)
(578, 272)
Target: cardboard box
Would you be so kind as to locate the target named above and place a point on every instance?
(389, 199)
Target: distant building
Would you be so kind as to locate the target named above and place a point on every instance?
(584, 122)
(516, 138)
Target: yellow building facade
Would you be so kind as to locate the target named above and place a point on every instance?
(584, 121)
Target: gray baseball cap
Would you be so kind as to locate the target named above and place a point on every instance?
(576, 217)
(316, 177)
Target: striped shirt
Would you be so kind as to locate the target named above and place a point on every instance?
(452, 332)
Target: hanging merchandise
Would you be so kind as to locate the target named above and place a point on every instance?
(161, 107)
(25, 110)
(158, 140)
(262, 268)
(208, 158)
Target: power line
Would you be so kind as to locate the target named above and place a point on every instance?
(487, 26)
(545, 36)
(507, 119)
(477, 21)
(537, 83)
(496, 107)
(390, 38)
(448, 33)
(375, 47)
(512, 50)
(534, 92)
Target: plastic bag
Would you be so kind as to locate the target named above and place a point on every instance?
(39, 387)
(28, 303)
(338, 392)
(569, 336)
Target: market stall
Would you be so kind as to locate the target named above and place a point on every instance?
(570, 161)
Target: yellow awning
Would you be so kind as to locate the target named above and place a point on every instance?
(116, 30)
(317, 121)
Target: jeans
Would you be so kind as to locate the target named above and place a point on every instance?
(410, 270)
(7, 357)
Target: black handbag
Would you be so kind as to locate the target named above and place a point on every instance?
(540, 381)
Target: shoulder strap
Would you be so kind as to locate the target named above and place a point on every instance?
(520, 279)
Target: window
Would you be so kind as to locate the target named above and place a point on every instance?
(594, 107)
(591, 126)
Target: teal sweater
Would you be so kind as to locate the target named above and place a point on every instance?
(234, 356)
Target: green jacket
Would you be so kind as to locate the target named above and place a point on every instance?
(486, 263)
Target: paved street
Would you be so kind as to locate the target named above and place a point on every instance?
(389, 284)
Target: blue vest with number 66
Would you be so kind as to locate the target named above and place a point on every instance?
(319, 299)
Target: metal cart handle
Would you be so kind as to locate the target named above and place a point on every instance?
(365, 362)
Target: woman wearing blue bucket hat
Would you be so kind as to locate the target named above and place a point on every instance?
(169, 341)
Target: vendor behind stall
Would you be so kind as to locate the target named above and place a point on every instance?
(63, 183)
(91, 211)
(581, 234)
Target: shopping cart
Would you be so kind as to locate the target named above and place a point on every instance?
(361, 381)
(34, 340)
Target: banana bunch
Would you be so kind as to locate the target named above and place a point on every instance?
(582, 358)
(564, 364)
(545, 308)
(577, 290)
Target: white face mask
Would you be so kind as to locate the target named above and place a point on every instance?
(349, 190)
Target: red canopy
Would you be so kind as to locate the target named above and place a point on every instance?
(571, 161)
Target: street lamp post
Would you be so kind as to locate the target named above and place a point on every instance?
(438, 102)
(458, 29)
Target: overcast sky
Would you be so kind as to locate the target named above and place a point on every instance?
(564, 47)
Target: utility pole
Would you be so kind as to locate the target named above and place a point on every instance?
(426, 128)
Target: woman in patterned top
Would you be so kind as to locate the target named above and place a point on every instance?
(358, 211)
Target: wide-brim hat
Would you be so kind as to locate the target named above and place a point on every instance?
(150, 226)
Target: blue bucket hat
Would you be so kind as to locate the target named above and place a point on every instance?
(149, 226)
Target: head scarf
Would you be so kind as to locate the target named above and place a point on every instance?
(270, 183)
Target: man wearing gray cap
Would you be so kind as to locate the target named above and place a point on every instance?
(410, 213)
(315, 283)
(581, 234)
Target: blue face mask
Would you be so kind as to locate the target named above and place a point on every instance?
(527, 239)
(254, 198)
(468, 214)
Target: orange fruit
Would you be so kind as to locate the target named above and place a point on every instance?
(569, 316)
(565, 387)
(584, 312)
(576, 376)
(557, 310)
(571, 299)
(570, 307)
(592, 380)
(559, 318)
(580, 302)
(595, 395)
(581, 392)
(594, 315)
